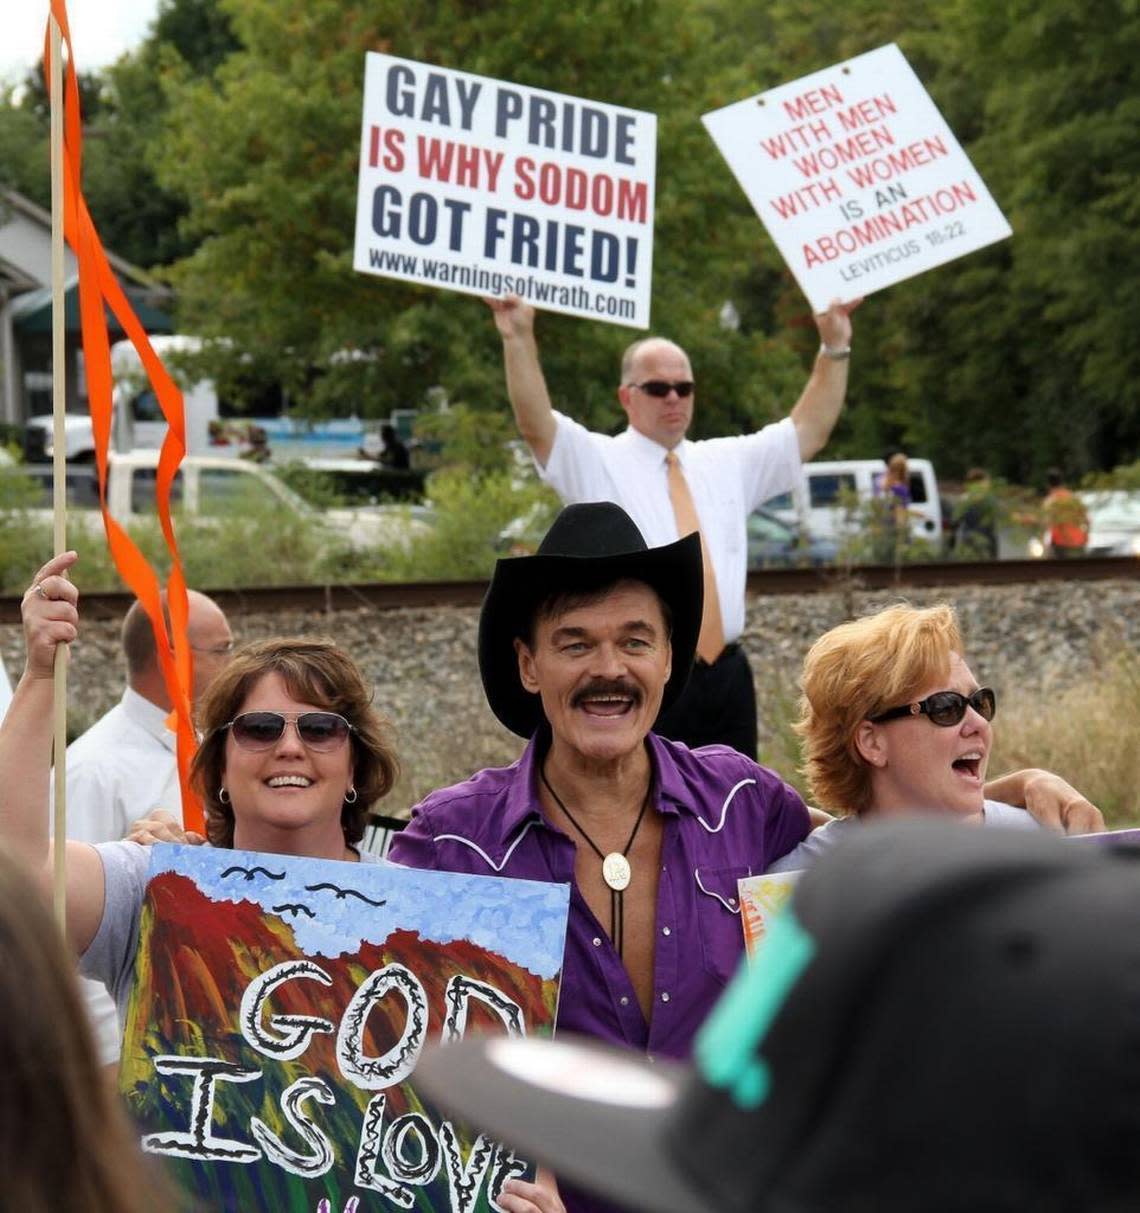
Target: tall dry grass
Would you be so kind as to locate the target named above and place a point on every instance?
(1089, 732)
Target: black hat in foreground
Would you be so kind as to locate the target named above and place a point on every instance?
(588, 547)
(945, 1019)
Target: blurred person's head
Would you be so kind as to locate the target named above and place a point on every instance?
(291, 742)
(211, 643)
(897, 468)
(64, 1141)
(887, 719)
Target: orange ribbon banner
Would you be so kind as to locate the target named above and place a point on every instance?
(99, 289)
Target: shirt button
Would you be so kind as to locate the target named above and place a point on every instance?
(732, 902)
(665, 996)
(624, 1001)
(666, 931)
(597, 942)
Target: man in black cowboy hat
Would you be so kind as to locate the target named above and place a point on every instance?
(580, 647)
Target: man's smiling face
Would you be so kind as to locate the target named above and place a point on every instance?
(600, 668)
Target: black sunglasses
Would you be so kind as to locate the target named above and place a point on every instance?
(661, 388)
(945, 708)
(317, 730)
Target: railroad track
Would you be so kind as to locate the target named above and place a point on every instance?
(390, 596)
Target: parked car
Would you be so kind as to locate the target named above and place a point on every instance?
(772, 543)
(1114, 524)
(207, 487)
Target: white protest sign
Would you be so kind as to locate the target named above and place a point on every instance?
(485, 187)
(857, 177)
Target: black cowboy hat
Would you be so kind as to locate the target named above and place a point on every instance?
(589, 546)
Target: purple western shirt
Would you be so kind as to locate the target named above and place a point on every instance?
(724, 817)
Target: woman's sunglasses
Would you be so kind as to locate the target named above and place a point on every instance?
(945, 708)
(317, 730)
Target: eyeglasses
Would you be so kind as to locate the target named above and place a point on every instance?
(945, 708)
(661, 388)
(226, 646)
(321, 731)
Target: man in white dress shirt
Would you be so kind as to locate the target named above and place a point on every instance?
(670, 485)
(124, 766)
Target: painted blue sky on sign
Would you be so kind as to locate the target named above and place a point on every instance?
(523, 920)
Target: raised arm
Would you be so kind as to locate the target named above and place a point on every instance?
(817, 410)
(526, 386)
(50, 619)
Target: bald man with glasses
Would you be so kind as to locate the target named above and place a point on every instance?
(671, 486)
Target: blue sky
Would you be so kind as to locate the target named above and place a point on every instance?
(522, 920)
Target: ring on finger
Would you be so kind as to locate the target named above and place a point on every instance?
(39, 589)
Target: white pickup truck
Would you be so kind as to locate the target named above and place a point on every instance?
(207, 487)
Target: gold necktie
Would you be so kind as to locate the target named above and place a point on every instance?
(710, 643)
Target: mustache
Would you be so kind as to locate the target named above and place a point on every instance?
(607, 686)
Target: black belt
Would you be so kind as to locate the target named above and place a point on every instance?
(729, 650)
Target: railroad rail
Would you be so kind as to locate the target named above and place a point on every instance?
(391, 596)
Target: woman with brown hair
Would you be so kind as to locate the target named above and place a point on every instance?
(293, 755)
(64, 1141)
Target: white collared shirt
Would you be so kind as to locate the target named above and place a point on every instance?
(728, 478)
(119, 770)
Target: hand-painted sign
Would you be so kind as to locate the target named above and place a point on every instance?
(280, 1008)
(857, 177)
(490, 188)
(761, 899)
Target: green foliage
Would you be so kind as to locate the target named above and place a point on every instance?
(470, 510)
(1015, 358)
(1127, 476)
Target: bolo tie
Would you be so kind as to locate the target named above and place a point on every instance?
(616, 870)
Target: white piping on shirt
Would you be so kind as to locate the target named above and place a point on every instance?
(709, 893)
(732, 909)
(497, 867)
(724, 807)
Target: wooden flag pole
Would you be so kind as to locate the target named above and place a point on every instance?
(59, 454)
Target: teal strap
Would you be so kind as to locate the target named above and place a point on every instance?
(727, 1045)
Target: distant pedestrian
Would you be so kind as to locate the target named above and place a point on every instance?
(1066, 518)
(976, 518)
(393, 454)
(893, 511)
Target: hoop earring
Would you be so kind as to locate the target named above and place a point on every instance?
(351, 796)
(223, 795)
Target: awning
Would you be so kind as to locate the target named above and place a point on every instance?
(31, 313)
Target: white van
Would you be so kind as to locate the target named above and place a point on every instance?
(817, 507)
(137, 419)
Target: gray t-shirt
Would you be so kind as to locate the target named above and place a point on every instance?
(111, 955)
(994, 813)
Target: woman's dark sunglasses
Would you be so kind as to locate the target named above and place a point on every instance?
(661, 388)
(945, 708)
(317, 730)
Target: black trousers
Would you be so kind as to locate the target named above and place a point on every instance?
(718, 706)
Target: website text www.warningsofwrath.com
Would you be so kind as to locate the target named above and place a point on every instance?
(493, 282)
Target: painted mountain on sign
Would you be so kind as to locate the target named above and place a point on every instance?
(280, 1006)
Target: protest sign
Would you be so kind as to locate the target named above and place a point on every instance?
(485, 187)
(857, 177)
(280, 1007)
(761, 899)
